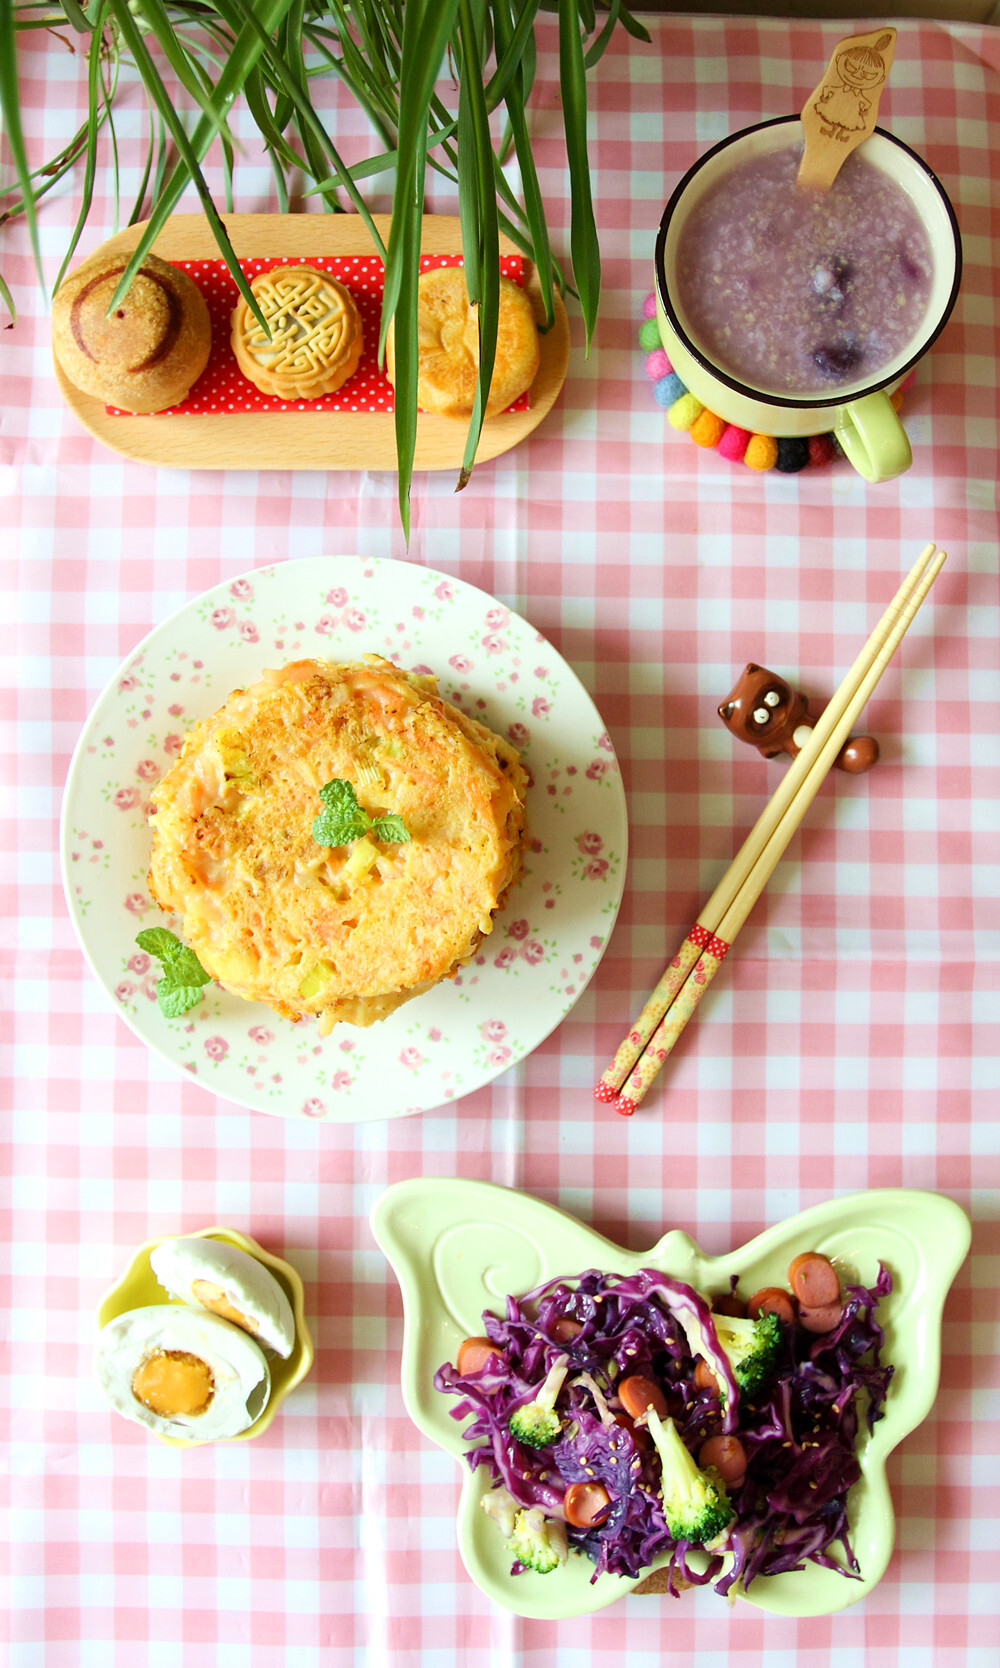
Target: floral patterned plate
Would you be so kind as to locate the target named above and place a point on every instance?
(547, 941)
(459, 1247)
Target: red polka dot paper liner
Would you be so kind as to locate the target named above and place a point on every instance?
(788, 454)
(223, 391)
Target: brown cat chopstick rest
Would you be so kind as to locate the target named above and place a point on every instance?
(765, 711)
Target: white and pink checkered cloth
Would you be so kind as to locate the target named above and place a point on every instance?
(850, 1041)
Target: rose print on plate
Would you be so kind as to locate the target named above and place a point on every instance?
(545, 943)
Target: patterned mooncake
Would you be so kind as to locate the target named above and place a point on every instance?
(316, 337)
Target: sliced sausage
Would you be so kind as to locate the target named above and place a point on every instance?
(639, 1434)
(473, 1354)
(822, 1319)
(637, 1394)
(585, 1504)
(729, 1304)
(814, 1280)
(728, 1455)
(704, 1377)
(772, 1300)
(566, 1328)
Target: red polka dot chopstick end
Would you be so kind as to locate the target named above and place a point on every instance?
(608, 1095)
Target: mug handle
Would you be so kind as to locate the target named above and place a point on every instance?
(873, 437)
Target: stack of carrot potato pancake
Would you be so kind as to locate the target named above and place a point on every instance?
(339, 931)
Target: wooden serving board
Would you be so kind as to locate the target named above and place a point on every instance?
(313, 439)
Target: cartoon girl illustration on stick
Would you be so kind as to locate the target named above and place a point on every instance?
(843, 104)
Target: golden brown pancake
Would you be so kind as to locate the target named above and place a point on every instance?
(448, 334)
(155, 344)
(346, 932)
(316, 337)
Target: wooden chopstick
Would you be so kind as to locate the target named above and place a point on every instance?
(671, 1004)
(701, 975)
(703, 933)
(709, 919)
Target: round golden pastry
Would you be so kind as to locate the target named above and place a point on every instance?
(316, 337)
(348, 932)
(147, 354)
(448, 345)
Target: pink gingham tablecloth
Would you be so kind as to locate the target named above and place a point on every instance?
(850, 1041)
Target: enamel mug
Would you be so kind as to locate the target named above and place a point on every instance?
(860, 413)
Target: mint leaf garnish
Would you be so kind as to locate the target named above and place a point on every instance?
(175, 1000)
(179, 987)
(342, 819)
(390, 829)
(158, 942)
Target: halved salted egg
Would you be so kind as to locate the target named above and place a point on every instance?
(208, 1274)
(182, 1372)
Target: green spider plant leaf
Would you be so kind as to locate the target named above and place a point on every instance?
(291, 78)
(427, 27)
(584, 246)
(246, 51)
(616, 14)
(512, 42)
(255, 93)
(633, 27)
(212, 122)
(404, 245)
(156, 167)
(95, 99)
(478, 212)
(78, 18)
(188, 71)
(147, 172)
(367, 66)
(10, 113)
(534, 210)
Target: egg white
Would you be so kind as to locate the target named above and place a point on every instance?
(252, 1297)
(240, 1376)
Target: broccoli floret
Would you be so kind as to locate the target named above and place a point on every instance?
(538, 1542)
(536, 1423)
(752, 1347)
(695, 1503)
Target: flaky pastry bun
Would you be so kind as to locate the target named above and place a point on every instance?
(316, 338)
(146, 354)
(448, 343)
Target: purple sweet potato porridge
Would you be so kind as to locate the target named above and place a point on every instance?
(799, 292)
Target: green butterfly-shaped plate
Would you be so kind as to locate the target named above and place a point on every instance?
(459, 1247)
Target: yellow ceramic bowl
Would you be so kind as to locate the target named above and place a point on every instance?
(138, 1286)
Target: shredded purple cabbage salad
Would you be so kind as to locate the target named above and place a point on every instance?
(796, 1421)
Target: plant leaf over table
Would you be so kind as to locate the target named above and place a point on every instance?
(195, 58)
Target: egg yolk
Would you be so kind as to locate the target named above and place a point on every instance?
(211, 1296)
(172, 1383)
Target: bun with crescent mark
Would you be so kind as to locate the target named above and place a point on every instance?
(145, 354)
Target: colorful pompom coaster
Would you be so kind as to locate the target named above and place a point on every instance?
(686, 413)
